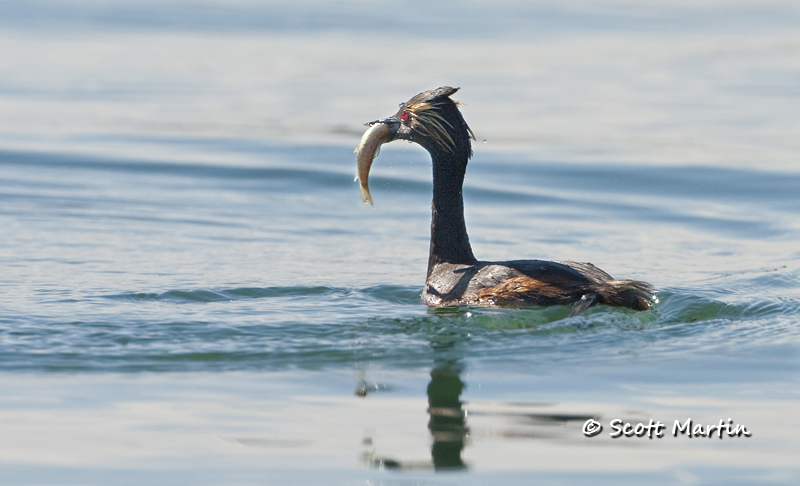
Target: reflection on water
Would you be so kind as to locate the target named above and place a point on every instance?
(447, 423)
(449, 432)
(238, 428)
(448, 418)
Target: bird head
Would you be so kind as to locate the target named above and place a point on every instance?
(430, 119)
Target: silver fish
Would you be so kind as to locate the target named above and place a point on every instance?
(367, 150)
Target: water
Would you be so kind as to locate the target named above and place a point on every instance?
(192, 291)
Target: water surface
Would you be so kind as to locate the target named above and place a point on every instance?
(193, 292)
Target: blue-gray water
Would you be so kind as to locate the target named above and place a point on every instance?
(125, 265)
(192, 291)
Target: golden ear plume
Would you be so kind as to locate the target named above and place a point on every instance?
(430, 123)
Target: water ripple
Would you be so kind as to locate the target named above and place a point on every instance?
(407, 335)
(189, 296)
(114, 263)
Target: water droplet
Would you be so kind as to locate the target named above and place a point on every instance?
(484, 140)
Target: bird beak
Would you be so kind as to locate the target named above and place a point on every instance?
(386, 121)
(379, 132)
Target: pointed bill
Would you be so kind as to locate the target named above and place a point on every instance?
(366, 152)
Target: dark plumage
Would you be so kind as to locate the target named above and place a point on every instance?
(455, 276)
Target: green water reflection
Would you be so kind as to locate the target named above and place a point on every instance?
(447, 422)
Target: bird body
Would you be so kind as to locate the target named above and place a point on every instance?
(536, 282)
(455, 276)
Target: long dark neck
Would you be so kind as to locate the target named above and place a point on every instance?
(449, 240)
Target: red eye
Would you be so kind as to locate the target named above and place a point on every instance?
(404, 115)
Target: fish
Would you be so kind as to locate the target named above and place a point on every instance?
(367, 150)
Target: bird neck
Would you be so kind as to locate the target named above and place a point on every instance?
(449, 240)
